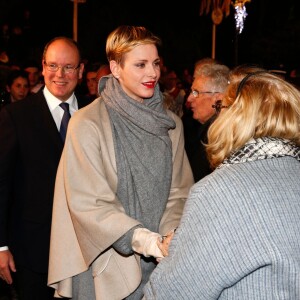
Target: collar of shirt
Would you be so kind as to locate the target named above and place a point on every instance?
(56, 111)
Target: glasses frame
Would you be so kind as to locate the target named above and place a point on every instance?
(196, 93)
(70, 70)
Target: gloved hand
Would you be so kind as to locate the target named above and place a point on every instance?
(145, 242)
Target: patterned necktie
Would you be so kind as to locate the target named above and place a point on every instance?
(64, 121)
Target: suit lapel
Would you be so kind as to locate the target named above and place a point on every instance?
(44, 118)
(45, 121)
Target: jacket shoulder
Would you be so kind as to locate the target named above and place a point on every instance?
(82, 100)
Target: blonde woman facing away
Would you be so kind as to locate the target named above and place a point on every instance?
(122, 181)
(239, 236)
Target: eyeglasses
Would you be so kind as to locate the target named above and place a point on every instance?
(67, 69)
(196, 93)
(218, 106)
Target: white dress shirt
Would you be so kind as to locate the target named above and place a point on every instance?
(56, 111)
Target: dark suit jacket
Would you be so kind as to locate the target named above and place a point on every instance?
(195, 135)
(30, 150)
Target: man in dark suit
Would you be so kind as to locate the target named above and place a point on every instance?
(30, 151)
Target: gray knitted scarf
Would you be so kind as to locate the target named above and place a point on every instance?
(143, 151)
(263, 148)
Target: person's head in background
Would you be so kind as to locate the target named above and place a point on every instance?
(91, 79)
(199, 64)
(132, 52)
(187, 78)
(163, 70)
(103, 70)
(163, 67)
(17, 85)
(169, 80)
(256, 104)
(208, 88)
(4, 58)
(62, 67)
(34, 75)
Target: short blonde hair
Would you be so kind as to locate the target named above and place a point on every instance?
(124, 38)
(260, 104)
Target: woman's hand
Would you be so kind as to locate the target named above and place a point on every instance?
(164, 243)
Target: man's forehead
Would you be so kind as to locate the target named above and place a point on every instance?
(200, 81)
(61, 49)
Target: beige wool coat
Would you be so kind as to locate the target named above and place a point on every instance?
(87, 216)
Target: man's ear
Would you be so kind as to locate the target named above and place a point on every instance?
(81, 69)
(115, 68)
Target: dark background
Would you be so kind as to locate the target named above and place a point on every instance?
(271, 36)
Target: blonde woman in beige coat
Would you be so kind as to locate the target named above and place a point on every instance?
(122, 181)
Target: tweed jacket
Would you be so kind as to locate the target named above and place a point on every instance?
(87, 221)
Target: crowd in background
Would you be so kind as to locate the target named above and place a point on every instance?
(20, 49)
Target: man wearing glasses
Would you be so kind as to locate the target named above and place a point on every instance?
(205, 101)
(32, 139)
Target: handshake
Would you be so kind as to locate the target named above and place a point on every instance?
(150, 243)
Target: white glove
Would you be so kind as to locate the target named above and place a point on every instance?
(145, 241)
